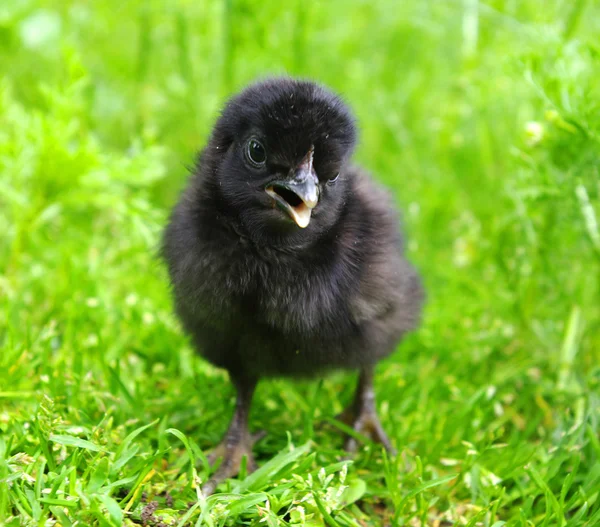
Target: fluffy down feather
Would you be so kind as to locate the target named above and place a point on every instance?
(264, 301)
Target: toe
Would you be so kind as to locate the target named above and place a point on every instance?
(215, 454)
(209, 487)
(367, 424)
(351, 445)
(257, 436)
(251, 465)
(348, 416)
(377, 434)
(231, 455)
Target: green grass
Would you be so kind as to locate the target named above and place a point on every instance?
(482, 117)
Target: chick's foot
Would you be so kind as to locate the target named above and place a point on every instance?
(362, 417)
(231, 451)
(237, 442)
(366, 423)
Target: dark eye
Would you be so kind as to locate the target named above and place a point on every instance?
(256, 154)
(333, 179)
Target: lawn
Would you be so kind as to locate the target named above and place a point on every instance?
(483, 118)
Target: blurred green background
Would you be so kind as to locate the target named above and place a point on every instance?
(483, 118)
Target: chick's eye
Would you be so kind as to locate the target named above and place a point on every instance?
(255, 152)
(333, 179)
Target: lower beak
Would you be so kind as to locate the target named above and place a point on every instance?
(297, 196)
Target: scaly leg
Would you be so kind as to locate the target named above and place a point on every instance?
(361, 414)
(237, 441)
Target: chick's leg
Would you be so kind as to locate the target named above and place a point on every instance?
(361, 414)
(237, 441)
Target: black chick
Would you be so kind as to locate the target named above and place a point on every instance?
(285, 260)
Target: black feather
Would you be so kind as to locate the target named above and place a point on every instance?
(258, 295)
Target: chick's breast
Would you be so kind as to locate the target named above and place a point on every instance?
(343, 302)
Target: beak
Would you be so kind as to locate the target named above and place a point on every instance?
(299, 195)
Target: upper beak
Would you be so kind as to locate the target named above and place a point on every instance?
(300, 194)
